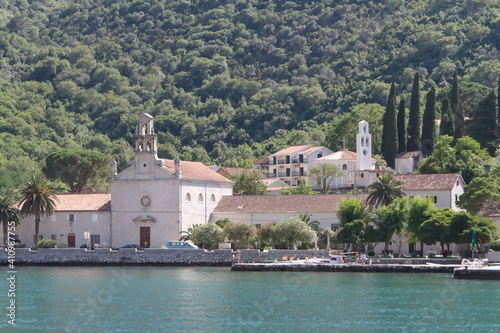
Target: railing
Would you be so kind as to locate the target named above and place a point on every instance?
(298, 174)
(283, 162)
(296, 160)
(283, 174)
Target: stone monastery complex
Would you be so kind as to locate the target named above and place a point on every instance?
(153, 200)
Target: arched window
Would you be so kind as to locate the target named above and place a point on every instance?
(367, 142)
(344, 167)
(212, 198)
(188, 196)
(362, 141)
(200, 197)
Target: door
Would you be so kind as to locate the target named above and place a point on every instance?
(144, 237)
(71, 240)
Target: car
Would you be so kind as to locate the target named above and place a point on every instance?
(84, 246)
(181, 245)
(130, 246)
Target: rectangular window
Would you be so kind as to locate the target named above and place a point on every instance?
(456, 197)
(334, 226)
(320, 155)
(435, 199)
(71, 217)
(53, 237)
(95, 239)
(94, 217)
(258, 226)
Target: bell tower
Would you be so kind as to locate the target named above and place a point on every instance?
(363, 147)
(146, 145)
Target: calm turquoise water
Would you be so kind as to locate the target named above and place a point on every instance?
(196, 299)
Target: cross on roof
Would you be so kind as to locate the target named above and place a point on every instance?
(344, 141)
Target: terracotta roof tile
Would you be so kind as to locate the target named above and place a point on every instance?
(83, 202)
(263, 160)
(443, 181)
(194, 170)
(290, 150)
(339, 155)
(282, 203)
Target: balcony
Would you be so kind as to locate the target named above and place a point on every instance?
(297, 160)
(299, 174)
(283, 162)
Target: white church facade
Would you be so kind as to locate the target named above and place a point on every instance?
(150, 202)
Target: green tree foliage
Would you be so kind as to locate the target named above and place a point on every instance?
(389, 135)
(384, 191)
(401, 127)
(461, 226)
(77, 168)
(37, 199)
(478, 192)
(293, 231)
(256, 77)
(240, 233)
(188, 234)
(248, 183)
(465, 157)
(437, 228)
(265, 233)
(323, 176)
(302, 188)
(483, 125)
(414, 122)
(456, 111)
(208, 236)
(420, 210)
(9, 213)
(428, 123)
(353, 218)
(390, 220)
(447, 126)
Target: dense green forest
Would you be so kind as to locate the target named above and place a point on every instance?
(226, 80)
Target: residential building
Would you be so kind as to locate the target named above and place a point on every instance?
(74, 215)
(445, 189)
(292, 164)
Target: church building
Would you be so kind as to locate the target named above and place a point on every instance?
(358, 167)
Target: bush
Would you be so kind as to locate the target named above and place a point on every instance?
(62, 246)
(495, 246)
(46, 244)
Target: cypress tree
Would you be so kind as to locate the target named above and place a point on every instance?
(483, 127)
(401, 127)
(456, 110)
(447, 125)
(428, 123)
(390, 143)
(413, 143)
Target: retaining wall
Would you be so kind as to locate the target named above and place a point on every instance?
(176, 257)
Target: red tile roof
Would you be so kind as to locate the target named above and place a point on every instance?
(290, 150)
(443, 181)
(339, 155)
(194, 170)
(263, 160)
(83, 202)
(282, 203)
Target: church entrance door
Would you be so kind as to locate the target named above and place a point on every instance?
(144, 237)
(71, 240)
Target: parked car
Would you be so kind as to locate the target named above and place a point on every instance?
(84, 246)
(130, 246)
(181, 245)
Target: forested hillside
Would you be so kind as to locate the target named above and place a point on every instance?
(226, 80)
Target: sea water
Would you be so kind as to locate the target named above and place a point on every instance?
(214, 299)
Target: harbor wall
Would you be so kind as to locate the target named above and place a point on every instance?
(177, 257)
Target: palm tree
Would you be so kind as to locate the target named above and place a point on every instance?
(384, 191)
(37, 199)
(188, 235)
(8, 211)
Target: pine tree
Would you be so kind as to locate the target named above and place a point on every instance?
(413, 143)
(428, 123)
(483, 126)
(447, 126)
(456, 110)
(390, 143)
(401, 127)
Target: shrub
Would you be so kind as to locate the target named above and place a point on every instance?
(495, 246)
(46, 244)
(62, 246)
